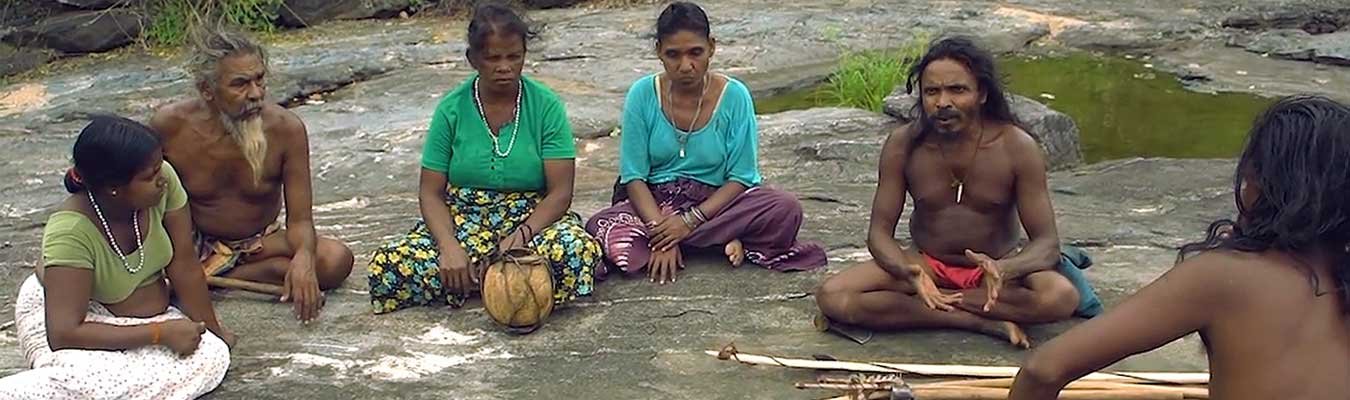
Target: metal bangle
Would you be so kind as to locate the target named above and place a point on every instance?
(687, 222)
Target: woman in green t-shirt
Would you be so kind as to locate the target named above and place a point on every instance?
(95, 320)
(508, 186)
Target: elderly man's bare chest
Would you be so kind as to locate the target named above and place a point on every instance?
(213, 169)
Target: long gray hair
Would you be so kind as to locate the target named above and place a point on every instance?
(210, 47)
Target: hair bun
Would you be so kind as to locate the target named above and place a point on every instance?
(72, 181)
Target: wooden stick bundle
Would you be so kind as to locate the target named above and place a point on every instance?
(1185, 391)
(1173, 378)
(255, 287)
(978, 393)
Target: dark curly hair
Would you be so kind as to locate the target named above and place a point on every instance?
(1298, 158)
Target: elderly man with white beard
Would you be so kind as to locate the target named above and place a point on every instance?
(239, 157)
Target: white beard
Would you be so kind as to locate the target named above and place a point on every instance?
(248, 133)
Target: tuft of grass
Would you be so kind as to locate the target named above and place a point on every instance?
(864, 78)
(254, 15)
(172, 21)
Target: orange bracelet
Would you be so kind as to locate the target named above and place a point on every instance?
(154, 333)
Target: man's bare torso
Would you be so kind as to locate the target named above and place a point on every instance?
(226, 201)
(1283, 341)
(986, 219)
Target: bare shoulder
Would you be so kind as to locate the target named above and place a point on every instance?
(283, 124)
(1022, 148)
(1017, 141)
(1237, 272)
(169, 119)
(901, 139)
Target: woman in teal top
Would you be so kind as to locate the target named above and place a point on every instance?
(508, 186)
(688, 168)
(95, 320)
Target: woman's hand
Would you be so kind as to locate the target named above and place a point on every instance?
(182, 335)
(664, 264)
(454, 270)
(519, 238)
(668, 232)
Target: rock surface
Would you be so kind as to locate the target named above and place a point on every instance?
(365, 91)
(298, 13)
(1055, 131)
(1226, 69)
(81, 32)
(1325, 18)
(1332, 48)
(1296, 44)
(17, 60)
(1104, 38)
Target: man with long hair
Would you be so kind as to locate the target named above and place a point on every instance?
(974, 174)
(239, 157)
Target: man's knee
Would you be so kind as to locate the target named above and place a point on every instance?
(836, 300)
(334, 263)
(1057, 300)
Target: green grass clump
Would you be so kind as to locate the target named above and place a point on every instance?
(254, 15)
(864, 78)
(172, 21)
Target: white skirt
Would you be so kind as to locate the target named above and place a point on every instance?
(150, 372)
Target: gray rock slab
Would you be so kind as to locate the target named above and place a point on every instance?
(82, 31)
(1236, 70)
(378, 81)
(300, 13)
(16, 60)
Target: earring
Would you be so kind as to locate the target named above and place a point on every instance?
(113, 193)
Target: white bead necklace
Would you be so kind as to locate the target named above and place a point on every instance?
(515, 121)
(135, 224)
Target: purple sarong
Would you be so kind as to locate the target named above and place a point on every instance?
(765, 220)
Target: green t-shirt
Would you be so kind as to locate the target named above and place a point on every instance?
(460, 146)
(70, 239)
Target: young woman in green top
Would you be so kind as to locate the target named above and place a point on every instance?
(501, 147)
(95, 320)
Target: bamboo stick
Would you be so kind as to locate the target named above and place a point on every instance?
(987, 383)
(1189, 392)
(1177, 378)
(862, 378)
(845, 386)
(978, 393)
(255, 287)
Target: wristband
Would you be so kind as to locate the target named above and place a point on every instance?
(154, 333)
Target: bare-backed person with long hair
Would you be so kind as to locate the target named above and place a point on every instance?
(1268, 291)
(239, 157)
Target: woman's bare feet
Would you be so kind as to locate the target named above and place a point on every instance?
(735, 253)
